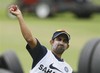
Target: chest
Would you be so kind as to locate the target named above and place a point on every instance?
(49, 64)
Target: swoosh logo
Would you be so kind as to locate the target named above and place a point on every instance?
(52, 67)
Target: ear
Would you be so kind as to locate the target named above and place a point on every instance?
(67, 46)
(51, 42)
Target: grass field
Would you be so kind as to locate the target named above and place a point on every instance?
(81, 30)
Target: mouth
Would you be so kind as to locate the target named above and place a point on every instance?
(60, 49)
(61, 46)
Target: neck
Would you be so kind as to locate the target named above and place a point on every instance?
(58, 55)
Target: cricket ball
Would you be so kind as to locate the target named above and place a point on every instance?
(15, 8)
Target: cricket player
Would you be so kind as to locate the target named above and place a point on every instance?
(44, 60)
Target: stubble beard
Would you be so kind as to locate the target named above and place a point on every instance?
(58, 49)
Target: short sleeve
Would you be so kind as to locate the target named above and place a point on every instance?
(37, 53)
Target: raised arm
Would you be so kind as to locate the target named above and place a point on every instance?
(24, 29)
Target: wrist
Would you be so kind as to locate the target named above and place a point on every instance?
(19, 16)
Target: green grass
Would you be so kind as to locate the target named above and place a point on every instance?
(81, 30)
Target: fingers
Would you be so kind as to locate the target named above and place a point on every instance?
(13, 9)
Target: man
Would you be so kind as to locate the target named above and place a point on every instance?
(44, 60)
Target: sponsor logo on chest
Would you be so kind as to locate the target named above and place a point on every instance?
(51, 69)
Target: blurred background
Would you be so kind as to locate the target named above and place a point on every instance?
(80, 29)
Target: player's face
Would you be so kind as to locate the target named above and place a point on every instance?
(60, 44)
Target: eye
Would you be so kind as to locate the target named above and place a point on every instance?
(59, 39)
(62, 39)
(65, 41)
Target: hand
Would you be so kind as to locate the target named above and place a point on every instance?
(13, 9)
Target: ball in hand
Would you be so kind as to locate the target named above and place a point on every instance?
(14, 8)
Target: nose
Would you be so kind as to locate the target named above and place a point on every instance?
(61, 42)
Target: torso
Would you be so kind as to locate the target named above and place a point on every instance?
(44, 61)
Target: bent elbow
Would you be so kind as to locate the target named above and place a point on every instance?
(32, 42)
